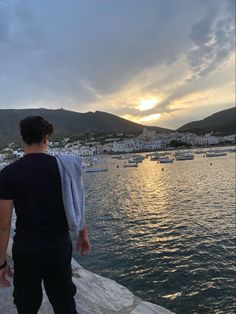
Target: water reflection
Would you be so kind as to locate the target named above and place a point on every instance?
(168, 235)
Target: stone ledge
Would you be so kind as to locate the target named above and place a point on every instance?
(95, 295)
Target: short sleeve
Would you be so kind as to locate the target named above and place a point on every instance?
(6, 190)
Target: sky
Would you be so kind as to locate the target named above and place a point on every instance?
(155, 62)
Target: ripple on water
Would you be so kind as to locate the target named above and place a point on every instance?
(169, 236)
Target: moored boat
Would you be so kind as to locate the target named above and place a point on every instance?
(138, 158)
(165, 160)
(185, 156)
(155, 157)
(215, 154)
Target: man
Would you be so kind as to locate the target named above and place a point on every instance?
(42, 246)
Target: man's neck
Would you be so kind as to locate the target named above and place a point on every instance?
(33, 149)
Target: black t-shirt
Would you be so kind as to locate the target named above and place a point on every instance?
(34, 183)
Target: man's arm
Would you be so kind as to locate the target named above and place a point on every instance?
(83, 243)
(6, 207)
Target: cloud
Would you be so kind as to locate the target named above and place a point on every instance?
(54, 46)
(214, 38)
(4, 16)
(111, 55)
(179, 99)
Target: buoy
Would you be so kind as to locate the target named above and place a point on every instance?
(117, 166)
(210, 164)
(162, 169)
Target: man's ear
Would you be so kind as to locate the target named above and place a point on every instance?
(45, 140)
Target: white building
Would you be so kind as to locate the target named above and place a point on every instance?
(128, 145)
(230, 138)
(87, 151)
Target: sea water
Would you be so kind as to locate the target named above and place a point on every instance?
(166, 231)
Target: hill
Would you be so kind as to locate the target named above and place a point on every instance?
(221, 123)
(67, 123)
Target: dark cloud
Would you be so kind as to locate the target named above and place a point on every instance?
(214, 38)
(54, 45)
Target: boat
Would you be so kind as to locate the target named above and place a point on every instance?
(184, 156)
(155, 157)
(115, 157)
(179, 153)
(217, 150)
(164, 160)
(131, 161)
(138, 158)
(215, 154)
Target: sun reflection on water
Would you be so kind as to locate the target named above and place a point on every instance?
(168, 235)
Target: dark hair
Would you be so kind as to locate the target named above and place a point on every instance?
(33, 129)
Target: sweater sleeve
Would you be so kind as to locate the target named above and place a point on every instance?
(82, 206)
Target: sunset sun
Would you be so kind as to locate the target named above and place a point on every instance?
(147, 103)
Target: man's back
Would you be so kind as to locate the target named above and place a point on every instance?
(33, 182)
(42, 247)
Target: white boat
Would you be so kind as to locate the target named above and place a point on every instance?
(185, 156)
(155, 158)
(135, 159)
(179, 153)
(215, 154)
(132, 161)
(165, 160)
(217, 151)
(115, 157)
(138, 158)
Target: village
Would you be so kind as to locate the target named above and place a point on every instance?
(148, 141)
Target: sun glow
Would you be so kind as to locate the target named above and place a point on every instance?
(151, 117)
(147, 103)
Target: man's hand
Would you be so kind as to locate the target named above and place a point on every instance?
(3, 272)
(6, 207)
(83, 243)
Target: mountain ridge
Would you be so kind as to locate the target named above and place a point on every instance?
(222, 122)
(71, 123)
(68, 123)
